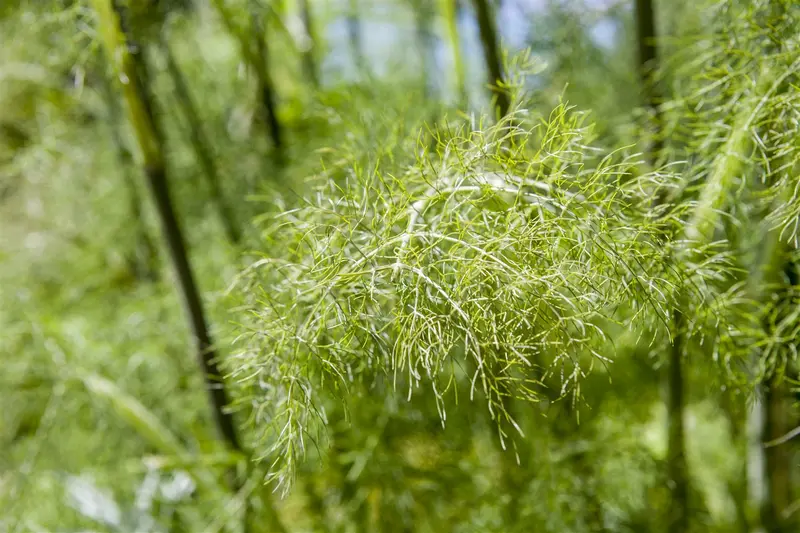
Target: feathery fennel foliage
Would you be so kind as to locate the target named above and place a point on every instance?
(492, 263)
(501, 262)
(735, 119)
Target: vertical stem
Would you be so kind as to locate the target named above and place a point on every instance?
(449, 10)
(140, 109)
(677, 468)
(491, 53)
(201, 145)
(781, 272)
(256, 59)
(425, 42)
(777, 464)
(354, 37)
(764, 415)
(756, 472)
(777, 459)
(310, 55)
(648, 67)
(144, 253)
(266, 89)
(205, 349)
(736, 415)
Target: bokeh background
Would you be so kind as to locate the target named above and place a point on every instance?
(284, 122)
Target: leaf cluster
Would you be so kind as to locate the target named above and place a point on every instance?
(494, 261)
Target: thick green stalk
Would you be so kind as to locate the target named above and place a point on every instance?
(700, 231)
(780, 276)
(451, 23)
(729, 163)
(139, 106)
(491, 54)
(770, 487)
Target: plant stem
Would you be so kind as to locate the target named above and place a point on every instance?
(354, 37)
(201, 145)
(648, 68)
(777, 459)
(266, 89)
(451, 23)
(491, 53)
(310, 55)
(732, 154)
(677, 468)
(144, 253)
(425, 42)
(256, 58)
(140, 108)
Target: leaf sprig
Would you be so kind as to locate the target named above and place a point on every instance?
(492, 262)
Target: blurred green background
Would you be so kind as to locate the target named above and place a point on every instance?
(465, 265)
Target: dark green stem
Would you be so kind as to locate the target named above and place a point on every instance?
(201, 145)
(491, 54)
(145, 250)
(266, 89)
(354, 37)
(677, 468)
(647, 69)
(310, 55)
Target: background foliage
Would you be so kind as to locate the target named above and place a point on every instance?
(579, 316)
